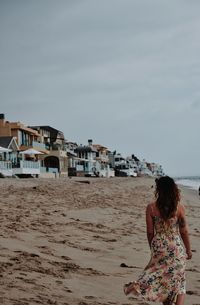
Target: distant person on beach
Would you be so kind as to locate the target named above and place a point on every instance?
(163, 279)
(199, 190)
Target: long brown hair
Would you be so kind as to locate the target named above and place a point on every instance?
(167, 197)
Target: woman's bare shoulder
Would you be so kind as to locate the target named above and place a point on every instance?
(150, 207)
(181, 209)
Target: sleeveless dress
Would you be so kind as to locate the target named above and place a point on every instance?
(164, 277)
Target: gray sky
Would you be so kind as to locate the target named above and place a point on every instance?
(125, 73)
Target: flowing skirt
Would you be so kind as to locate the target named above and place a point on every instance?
(164, 277)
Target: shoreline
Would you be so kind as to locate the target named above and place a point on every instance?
(63, 241)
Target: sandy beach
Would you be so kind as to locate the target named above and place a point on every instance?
(65, 242)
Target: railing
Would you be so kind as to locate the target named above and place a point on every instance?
(38, 144)
(26, 168)
(29, 164)
(5, 165)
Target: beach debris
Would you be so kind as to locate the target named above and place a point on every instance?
(123, 265)
(83, 181)
(65, 257)
(68, 290)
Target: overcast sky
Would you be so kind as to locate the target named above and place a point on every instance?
(125, 73)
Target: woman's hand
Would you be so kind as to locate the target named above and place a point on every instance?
(189, 254)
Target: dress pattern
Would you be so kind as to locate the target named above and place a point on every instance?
(164, 277)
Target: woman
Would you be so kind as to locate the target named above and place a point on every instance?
(164, 277)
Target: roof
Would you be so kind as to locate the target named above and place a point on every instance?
(85, 149)
(19, 125)
(46, 127)
(54, 133)
(99, 147)
(5, 141)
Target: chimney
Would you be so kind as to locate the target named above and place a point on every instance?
(2, 119)
(2, 116)
(90, 142)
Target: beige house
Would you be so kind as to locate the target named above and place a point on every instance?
(54, 141)
(25, 137)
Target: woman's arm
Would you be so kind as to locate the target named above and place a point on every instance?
(183, 229)
(149, 224)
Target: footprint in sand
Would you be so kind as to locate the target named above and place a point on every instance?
(89, 297)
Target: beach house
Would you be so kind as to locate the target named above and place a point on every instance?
(132, 162)
(8, 155)
(54, 141)
(5, 163)
(122, 166)
(103, 164)
(25, 138)
(89, 160)
(156, 169)
(85, 162)
(71, 157)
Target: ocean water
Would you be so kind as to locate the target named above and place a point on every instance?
(191, 182)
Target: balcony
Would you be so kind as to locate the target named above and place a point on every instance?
(40, 146)
(58, 152)
(27, 168)
(102, 158)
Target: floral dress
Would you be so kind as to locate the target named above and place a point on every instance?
(164, 277)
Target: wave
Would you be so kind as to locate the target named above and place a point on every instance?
(191, 182)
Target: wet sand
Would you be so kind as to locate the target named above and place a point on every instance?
(66, 242)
